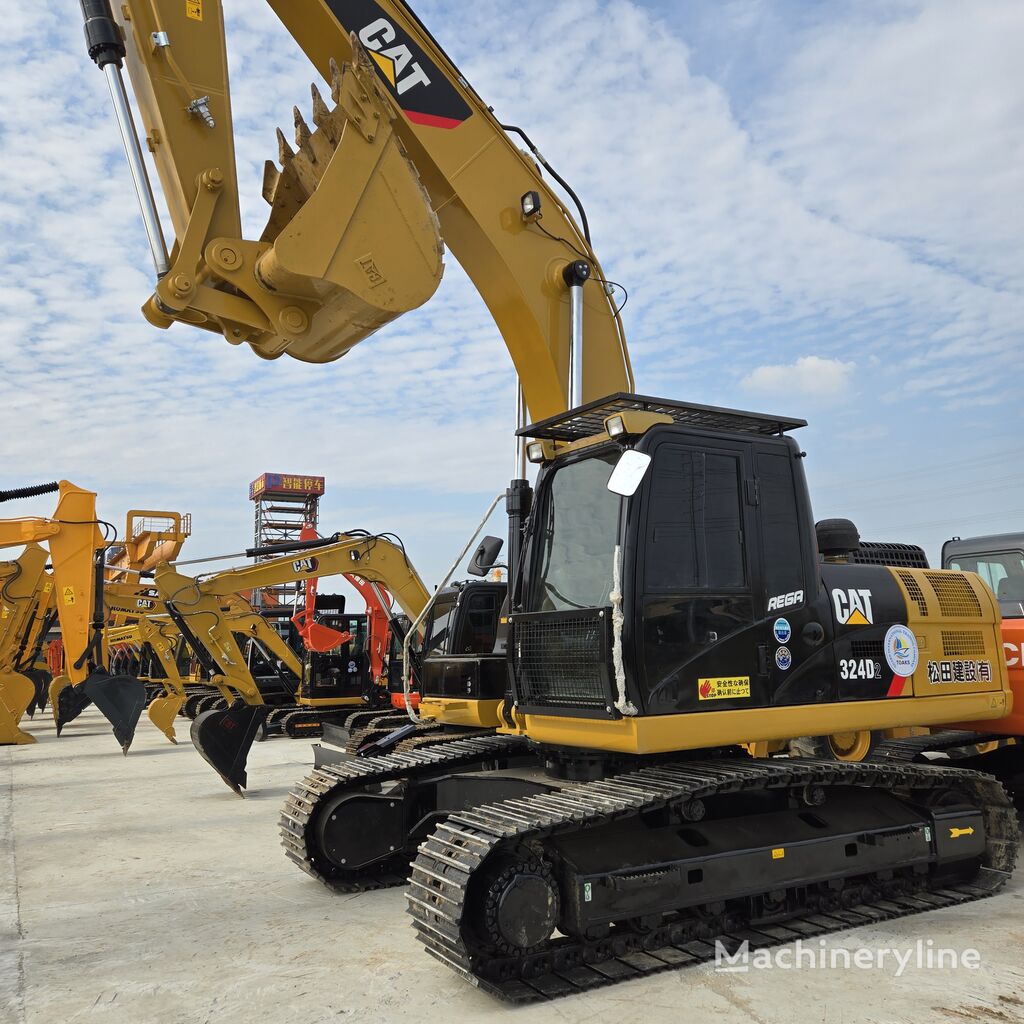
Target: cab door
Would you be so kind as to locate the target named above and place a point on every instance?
(696, 582)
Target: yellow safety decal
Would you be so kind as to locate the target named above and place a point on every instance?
(778, 853)
(69, 595)
(47, 587)
(956, 833)
(194, 9)
(5, 612)
(723, 688)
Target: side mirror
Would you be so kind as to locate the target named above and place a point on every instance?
(628, 472)
(485, 556)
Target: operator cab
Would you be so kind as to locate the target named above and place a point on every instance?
(462, 656)
(345, 670)
(689, 581)
(999, 560)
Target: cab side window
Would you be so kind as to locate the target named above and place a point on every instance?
(695, 527)
(780, 524)
(479, 629)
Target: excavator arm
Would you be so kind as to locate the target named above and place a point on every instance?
(408, 158)
(224, 737)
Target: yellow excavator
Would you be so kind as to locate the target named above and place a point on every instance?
(26, 597)
(224, 736)
(666, 602)
(76, 546)
(143, 624)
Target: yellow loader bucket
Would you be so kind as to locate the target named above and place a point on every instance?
(16, 693)
(163, 710)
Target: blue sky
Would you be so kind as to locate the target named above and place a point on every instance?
(815, 207)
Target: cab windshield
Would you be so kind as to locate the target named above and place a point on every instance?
(576, 538)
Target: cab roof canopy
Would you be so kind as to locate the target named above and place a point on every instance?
(588, 420)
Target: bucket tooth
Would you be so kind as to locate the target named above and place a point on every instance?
(271, 179)
(284, 151)
(302, 132)
(321, 112)
(335, 80)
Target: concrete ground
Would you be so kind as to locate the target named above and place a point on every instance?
(141, 889)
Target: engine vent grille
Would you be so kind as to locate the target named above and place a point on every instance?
(956, 598)
(561, 659)
(913, 588)
(957, 643)
(872, 649)
(907, 556)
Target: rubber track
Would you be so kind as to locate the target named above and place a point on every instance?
(447, 860)
(298, 816)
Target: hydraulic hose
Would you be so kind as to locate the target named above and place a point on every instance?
(29, 492)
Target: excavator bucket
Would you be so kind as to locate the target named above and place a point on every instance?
(224, 738)
(41, 679)
(16, 692)
(121, 699)
(322, 638)
(67, 701)
(163, 710)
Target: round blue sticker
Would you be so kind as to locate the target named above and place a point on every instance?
(782, 631)
(783, 658)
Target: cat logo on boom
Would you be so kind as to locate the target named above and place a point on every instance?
(395, 60)
(426, 94)
(305, 565)
(853, 607)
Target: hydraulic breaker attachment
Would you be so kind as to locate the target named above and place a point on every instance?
(121, 699)
(163, 710)
(224, 738)
(16, 693)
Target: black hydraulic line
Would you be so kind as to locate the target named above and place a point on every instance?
(505, 127)
(554, 174)
(299, 545)
(29, 492)
(95, 645)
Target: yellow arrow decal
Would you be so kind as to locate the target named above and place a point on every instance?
(956, 833)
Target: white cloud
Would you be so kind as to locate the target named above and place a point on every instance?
(808, 376)
(868, 205)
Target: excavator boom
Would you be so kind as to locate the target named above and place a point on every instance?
(408, 159)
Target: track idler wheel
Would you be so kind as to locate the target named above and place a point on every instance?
(224, 738)
(519, 903)
(67, 701)
(16, 693)
(163, 710)
(121, 699)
